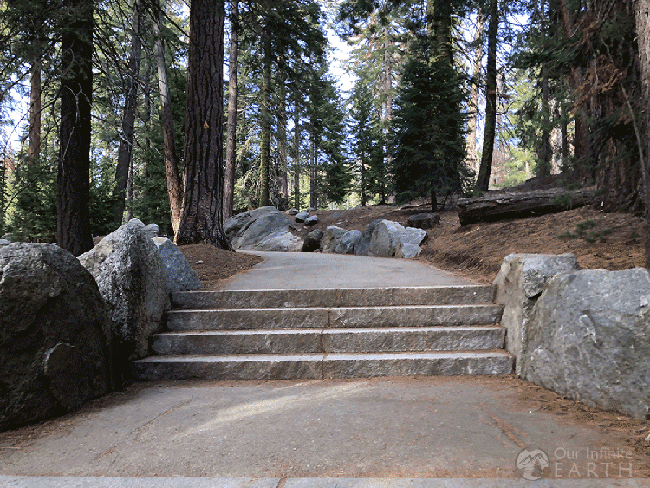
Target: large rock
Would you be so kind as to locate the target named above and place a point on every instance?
(390, 239)
(519, 284)
(302, 216)
(589, 338)
(331, 238)
(363, 245)
(54, 334)
(152, 230)
(178, 272)
(313, 220)
(280, 241)
(347, 241)
(423, 220)
(262, 229)
(312, 241)
(131, 278)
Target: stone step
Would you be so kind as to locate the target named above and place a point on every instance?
(326, 318)
(322, 366)
(334, 297)
(402, 339)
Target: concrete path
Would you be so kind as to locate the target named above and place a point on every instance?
(300, 271)
(435, 427)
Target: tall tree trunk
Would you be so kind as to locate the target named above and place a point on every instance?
(265, 122)
(73, 187)
(296, 159)
(489, 134)
(35, 109)
(472, 125)
(282, 141)
(388, 80)
(231, 131)
(313, 174)
(174, 184)
(576, 78)
(128, 117)
(363, 183)
(544, 163)
(388, 108)
(129, 192)
(642, 19)
(202, 216)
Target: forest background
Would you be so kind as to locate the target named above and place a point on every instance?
(129, 115)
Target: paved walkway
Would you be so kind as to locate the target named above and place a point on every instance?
(383, 432)
(283, 270)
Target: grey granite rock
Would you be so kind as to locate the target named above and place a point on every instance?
(589, 338)
(423, 220)
(313, 220)
(127, 267)
(178, 272)
(347, 241)
(302, 216)
(519, 284)
(331, 238)
(390, 239)
(312, 241)
(54, 334)
(152, 230)
(262, 229)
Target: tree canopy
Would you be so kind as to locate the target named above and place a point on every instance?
(96, 98)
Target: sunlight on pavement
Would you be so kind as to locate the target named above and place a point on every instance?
(247, 410)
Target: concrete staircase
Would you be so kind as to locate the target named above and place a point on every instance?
(329, 333)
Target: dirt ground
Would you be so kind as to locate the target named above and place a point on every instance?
(214, 266)
(477, 251)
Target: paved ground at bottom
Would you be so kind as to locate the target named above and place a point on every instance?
(26, 482)
(433, 427)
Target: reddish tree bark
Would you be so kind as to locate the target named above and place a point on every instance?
(201, 219)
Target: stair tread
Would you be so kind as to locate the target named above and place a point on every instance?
(371, 307)
(327, 356)
(356, 330)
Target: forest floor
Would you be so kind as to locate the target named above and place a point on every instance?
(610, 241)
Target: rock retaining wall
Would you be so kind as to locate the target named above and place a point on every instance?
(582, 333)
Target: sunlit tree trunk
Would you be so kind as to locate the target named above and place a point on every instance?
(174, 184)
(282, 141)
(265, 122)
(128, 117)
(35, 109)
(231, 131)
(642, 19)
(472, 125)
(201, 219)
(489, 134)
(296, 160)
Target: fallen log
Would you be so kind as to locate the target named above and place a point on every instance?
(508, 205)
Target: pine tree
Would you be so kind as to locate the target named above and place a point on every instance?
(429, 148)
